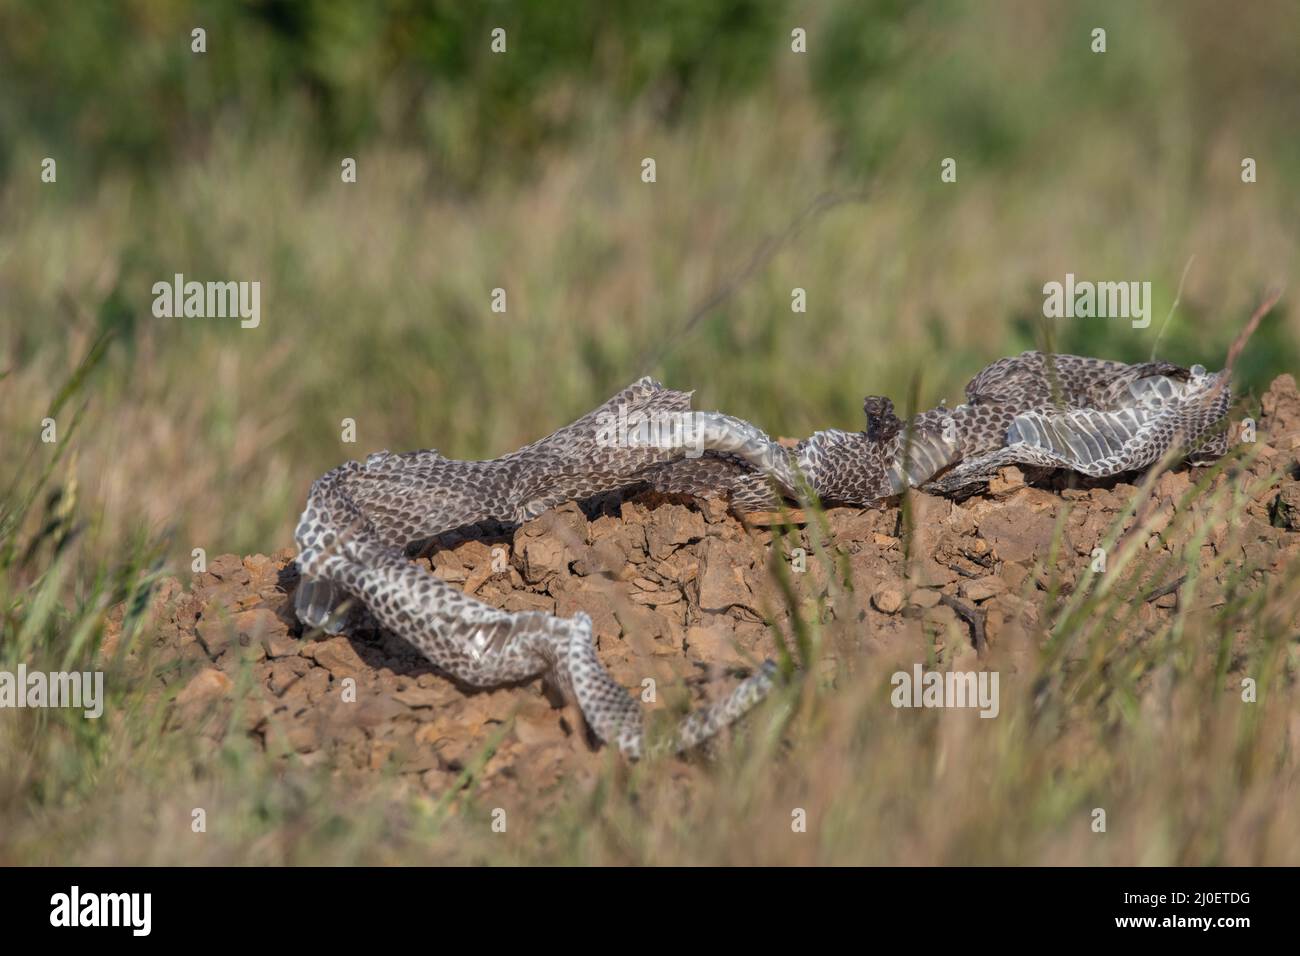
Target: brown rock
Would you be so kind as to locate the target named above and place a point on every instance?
(608, 555)
(1006, 482)
(448, 566)
(228, 567)
(981, 589)
(1280, 407)
(337, 656)
(536, 726)
(1287, 506)
(656, 597)
(528, 601)
(722, 578)
(312, 687)
(1016, 535)
(542, 557)
(1014, 575)
(207, 685)
(206, 695)
(888, 600)
(303, 736)
(712, 644)
(670, 526)
(258, 623)
(263, 572)
(281, 644)
(924, 597)
(418, 696)
(284, 673)
(246, 629)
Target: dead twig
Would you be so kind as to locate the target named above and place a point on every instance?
(1239, 344)
(1161, 591)
(972, 616)
(763, 254)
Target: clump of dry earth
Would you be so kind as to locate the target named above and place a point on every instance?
(678, 590)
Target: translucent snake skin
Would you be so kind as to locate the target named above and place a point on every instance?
(1088, 415)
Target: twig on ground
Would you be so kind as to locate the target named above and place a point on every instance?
(1164, 589)
(972, 616)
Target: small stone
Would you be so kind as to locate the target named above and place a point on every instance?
(888, 600)
(204, 687)
(656, 598)
(245, 628)
(1287, 508)
(1007, 481)
(715, 510)
(228, 567)
(670, 527)
(303, 736)
(437, 780)
(722, 579)
(542, 557)
(924, 597)
(712, 644)
(281, 645)
(606, 556)
(981, 589)
(418, 696)
(534, 729)
(337, 656)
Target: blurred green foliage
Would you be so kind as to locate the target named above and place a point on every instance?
(522, 171)
(118, 82)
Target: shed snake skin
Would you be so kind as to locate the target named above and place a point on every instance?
(1091, 416)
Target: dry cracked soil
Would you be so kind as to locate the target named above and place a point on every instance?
(679, 591)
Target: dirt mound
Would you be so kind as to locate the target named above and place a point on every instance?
(679, 591)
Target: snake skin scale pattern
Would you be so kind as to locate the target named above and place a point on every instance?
(1087, 415)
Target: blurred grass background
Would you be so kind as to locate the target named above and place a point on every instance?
(522, 171)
